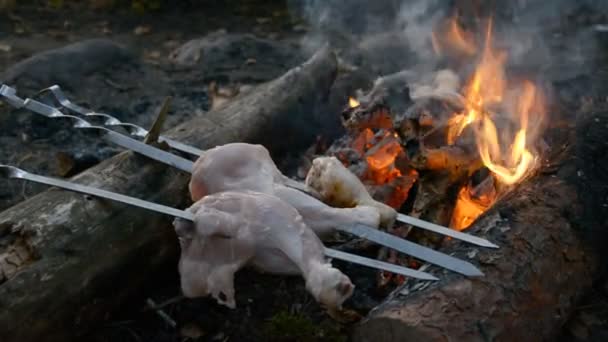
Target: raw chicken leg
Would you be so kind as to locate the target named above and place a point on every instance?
(322, 218)
(235, 229)
(341, 188)
(241, 166)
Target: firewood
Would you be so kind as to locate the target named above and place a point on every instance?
(67, 261)
(533, 283)
(453, 159)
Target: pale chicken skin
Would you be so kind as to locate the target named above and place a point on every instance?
(340, 187)
(241, 166)
(232, 230)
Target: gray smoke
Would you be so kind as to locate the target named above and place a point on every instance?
(393, 35)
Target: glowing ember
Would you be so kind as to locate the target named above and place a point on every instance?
(353, 103)
(363, 141)
(380, 151)
(381, 160)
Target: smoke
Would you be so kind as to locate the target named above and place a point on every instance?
(416, 20)
(393, 35)
(403, 26)
(545, 42)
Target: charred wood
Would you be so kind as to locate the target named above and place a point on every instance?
(453, 159)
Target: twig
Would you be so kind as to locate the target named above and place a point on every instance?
(117, 86)
(157, 126)
(165, 303)
(161, 313)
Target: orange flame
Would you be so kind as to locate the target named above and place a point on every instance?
(508, 156)
(353, 103)
(487, 89)
(454, 39)
(466, 210)
(472, 201)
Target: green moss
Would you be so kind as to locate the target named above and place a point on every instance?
(296, 327)
(140, 6)
(146, 5)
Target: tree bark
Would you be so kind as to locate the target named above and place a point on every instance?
(533, 283)
(67, 260)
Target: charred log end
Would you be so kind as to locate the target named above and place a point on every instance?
(531, 284)
(395, 324)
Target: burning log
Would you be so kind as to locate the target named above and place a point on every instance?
(472, 201)
(72, 274)
(531, 284)
(453, 159)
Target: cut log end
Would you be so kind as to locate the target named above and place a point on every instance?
(531, 284)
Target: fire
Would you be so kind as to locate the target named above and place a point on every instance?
(509, 157)
(500, 114)
(381, 160)
(466, 210)
(472, 201)
(520, 161)
(486, 90)
(453, 38)
(380, 152)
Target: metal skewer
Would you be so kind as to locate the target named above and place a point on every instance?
(445, 231)
(8, 171)
(141, 132)
(8, 94)
(134, 130)
(371, 234)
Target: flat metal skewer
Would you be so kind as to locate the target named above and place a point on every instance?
(141, 132)
(445, 231)
(8, 94)
(110, 120)
(369, 233)
(8, 171)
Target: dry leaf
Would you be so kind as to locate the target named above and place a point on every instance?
(191, 330)
(141, 30)
(7, 5)
(155, 54)
(5, 47)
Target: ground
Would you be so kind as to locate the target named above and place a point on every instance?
(132, 91)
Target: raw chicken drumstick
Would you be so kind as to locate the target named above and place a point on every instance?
(234, 229)
(241, 166)
(341, 188)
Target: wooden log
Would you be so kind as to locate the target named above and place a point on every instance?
(68, 260)
(532, 284)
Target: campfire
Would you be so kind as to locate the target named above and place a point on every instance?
(446, 207)
(461, 148)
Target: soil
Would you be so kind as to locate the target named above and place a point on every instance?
(133, 86)
(133, 90)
